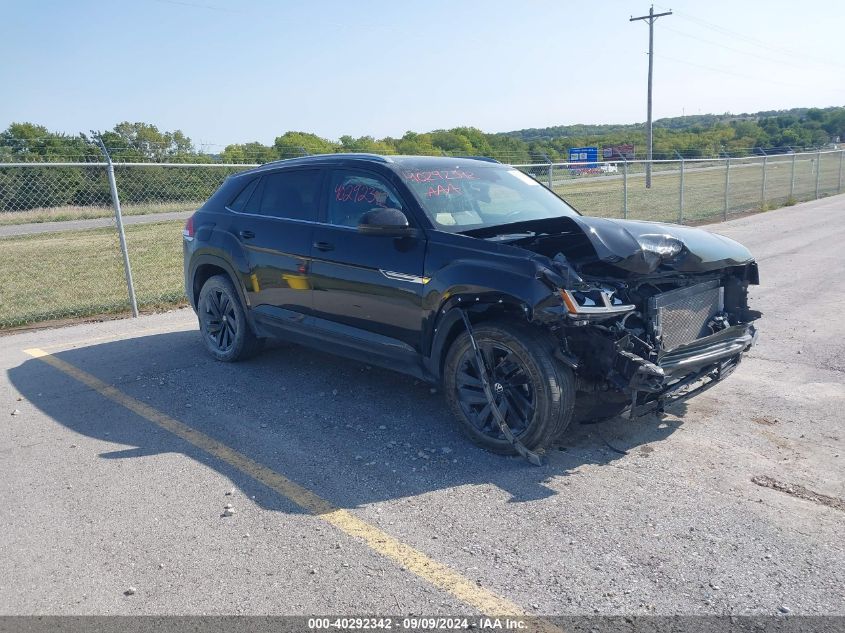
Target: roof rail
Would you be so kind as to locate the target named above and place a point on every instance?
(337, 155)
(368, 155)
(486, 159)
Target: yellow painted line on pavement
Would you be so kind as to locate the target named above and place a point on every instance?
(438, 574)
(67, 345)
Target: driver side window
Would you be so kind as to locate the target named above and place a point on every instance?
(351, 195)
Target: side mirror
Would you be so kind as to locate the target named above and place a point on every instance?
(387, 222)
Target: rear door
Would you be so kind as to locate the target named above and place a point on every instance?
(366, 287)
(275, 227)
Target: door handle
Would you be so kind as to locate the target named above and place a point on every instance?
(247, 235)
(323, 246)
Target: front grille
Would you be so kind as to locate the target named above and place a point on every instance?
(681, 316)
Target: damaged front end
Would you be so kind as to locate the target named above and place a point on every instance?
(641, 341)
(674, 343)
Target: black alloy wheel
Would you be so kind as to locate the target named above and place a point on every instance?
(510, 384)
(223, 324)
(534, 391)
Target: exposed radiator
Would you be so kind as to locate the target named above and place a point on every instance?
(681, 316)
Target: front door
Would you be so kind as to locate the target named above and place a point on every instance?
(367, 287)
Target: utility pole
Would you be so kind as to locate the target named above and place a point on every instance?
(651, 17)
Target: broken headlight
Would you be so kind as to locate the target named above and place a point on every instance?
(664, 246)
(594, 302)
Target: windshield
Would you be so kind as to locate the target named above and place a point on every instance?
(462, 199)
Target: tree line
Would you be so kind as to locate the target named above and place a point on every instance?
(692, 137)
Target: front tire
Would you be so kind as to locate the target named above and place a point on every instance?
(533, 390)
(223, 324)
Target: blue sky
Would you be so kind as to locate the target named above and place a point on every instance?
(225, 71)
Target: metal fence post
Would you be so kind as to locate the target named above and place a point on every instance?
(549, 161)
(119, 221)
(625, 188)
(727, 185)
(841, 154)
(763, 192)
(792, 177)
(818, 171)
(681, 193)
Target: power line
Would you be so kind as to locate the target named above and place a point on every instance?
(780, 50)
(196, 5)
(651, 17)
(731, 48)
(724, 71)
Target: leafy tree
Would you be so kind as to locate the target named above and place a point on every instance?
(452, 142)
(130, 142)
(365, 144)
(416, 144)
(254, 152)
(29, 142)
(292, 144)
(835, 124)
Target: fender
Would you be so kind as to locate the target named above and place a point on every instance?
(514, 282)
(225, 245)
(479, 287)
(450, 324)
(216, 260)
(221, 249)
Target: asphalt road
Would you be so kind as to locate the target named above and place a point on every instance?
(31, 228)
(99, 494)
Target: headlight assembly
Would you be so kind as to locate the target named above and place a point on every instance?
(665, 246)
(594, 302)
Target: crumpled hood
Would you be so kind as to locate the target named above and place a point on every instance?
(616, 242)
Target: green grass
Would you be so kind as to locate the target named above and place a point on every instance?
(704, 189)
(80, 273)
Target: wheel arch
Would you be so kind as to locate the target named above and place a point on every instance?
(204, 268)
(449, 324)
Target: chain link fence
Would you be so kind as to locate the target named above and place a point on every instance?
(60, 235)
(691, 191)
(60, 248)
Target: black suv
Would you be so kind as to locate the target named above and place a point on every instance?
(469, 274)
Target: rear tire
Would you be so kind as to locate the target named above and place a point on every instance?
(223, 324)
(535, 391)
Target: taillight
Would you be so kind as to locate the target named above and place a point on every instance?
(188, 231)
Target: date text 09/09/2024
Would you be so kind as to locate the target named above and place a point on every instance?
(415, 623)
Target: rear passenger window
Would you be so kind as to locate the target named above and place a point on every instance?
(239, 203)
(290, 194)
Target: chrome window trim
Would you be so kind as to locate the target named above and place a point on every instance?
(276, 217)
(414, 279)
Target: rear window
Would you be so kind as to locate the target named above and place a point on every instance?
(292, 194)
(239, 203)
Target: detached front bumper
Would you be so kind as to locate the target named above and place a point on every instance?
(689, 369)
